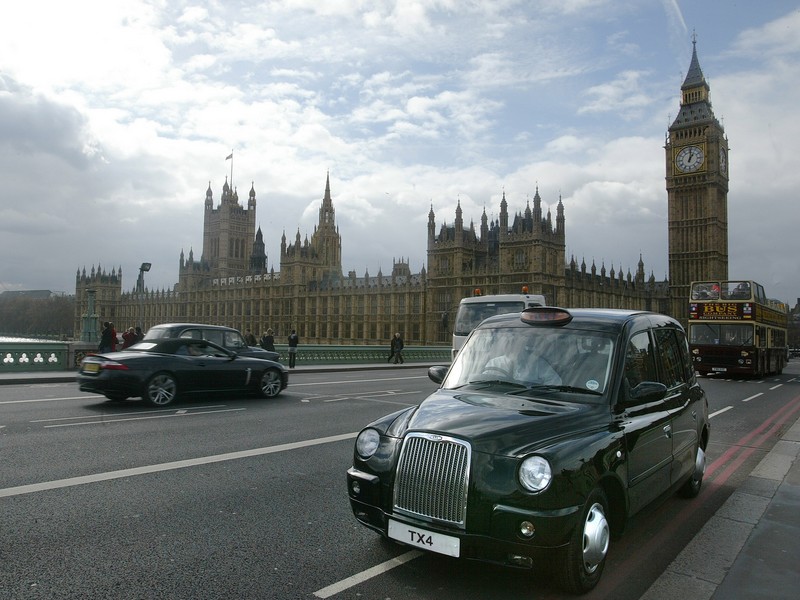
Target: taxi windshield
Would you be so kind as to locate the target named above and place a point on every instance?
(554, 358)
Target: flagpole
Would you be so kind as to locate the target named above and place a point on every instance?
(231, 170)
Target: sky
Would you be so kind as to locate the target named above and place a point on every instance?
(115, 117)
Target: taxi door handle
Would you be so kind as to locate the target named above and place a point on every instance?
(668, 430)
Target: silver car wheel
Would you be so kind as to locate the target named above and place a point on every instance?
(161, 389)
(596, 536)
(270, 383)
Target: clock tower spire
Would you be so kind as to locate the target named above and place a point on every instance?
(697, 191)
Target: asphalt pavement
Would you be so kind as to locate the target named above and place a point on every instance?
(749, 549)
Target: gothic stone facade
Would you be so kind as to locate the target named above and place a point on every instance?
(231, 285)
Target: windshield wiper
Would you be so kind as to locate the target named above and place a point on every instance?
(497, 382)
(547, 387)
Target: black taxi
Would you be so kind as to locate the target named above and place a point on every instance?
(548, 431)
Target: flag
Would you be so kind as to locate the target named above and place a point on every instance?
(229, 156)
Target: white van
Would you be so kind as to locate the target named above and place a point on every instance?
(473, 310)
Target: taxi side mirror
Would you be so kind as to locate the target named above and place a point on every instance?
(648, 391)
(436, 374)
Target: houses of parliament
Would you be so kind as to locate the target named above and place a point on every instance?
(230, 283)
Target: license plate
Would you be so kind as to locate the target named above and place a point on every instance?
(422, 538)
(719, 369)
(91, 368)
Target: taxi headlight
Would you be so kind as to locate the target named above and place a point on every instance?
(367, 442)
(535, 474)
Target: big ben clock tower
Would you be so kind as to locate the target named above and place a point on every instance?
(697, 192)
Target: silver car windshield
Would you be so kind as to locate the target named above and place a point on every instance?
(531, 357)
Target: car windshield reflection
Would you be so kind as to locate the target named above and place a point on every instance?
(536, 360)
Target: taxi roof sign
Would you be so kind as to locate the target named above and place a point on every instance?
(545, 315)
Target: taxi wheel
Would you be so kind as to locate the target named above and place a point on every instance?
(270, 383)
(585, 556)
(161, 389)
(691, 488)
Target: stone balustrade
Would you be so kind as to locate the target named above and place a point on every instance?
(32, 355)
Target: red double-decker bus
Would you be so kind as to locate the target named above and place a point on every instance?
(735, 329)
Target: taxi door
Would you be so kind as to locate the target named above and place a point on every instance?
(684, 399)
(647, 425)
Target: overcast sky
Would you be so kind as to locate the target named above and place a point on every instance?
(115, 116)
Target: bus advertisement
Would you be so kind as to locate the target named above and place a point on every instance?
(735, 329)
(474, 309)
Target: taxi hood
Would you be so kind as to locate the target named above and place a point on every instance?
(506, 424)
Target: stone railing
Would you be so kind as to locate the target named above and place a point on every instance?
(32, 355)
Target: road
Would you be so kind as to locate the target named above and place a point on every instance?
(245, 497)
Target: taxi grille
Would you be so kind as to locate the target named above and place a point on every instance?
(432, 478)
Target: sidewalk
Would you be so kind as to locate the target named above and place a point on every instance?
(749, 549)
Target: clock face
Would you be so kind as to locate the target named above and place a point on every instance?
(723, 160)
(689, 159)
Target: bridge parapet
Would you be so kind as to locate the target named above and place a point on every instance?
(32, 355)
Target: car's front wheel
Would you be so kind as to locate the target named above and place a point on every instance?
(585, 556)
(161, 389)
(270, 384)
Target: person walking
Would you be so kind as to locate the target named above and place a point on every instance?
(267, 341)
(250, 339)
(293, 341)
(397, 348)
(106, 338)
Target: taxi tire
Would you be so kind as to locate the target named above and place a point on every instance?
(584, 558)
(691, 488)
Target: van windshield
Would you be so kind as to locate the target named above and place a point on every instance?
(470, 314)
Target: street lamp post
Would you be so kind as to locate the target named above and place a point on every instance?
(140, 290)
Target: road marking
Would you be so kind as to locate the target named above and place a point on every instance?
(172, 416)
(775, 387)
(719, 412)
(122, 414)
(753, 397)
(344, 584)
(344, 381)
(46, 399)
(169, 466)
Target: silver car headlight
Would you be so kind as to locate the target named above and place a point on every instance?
(535, 474)
(367, 443)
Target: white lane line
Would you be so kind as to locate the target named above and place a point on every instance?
(775, 387)
(344, 584)
(48, 399)
(339, 382)
(719, 412)
(753, 397)
(125, 414)
(177, 414)
(169, 466)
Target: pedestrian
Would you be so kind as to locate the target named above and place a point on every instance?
(293, 341)
(250, 339)
(139, 335)
(267, 341)
(106, 334)
(114, 339)
(397, 348)
(129, 338)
